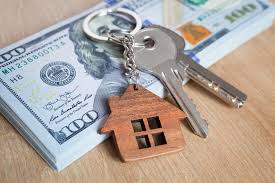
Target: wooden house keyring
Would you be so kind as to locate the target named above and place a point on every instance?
(143, 125)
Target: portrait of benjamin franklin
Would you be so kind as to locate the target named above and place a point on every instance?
(104, 60)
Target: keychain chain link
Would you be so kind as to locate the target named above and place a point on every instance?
(127, 41)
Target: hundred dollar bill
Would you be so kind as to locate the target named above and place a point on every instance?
(55, 85)
(211, 28)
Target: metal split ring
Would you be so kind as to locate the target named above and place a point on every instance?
(103, 12)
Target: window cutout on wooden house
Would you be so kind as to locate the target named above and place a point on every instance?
(143, 142)
(159, 139)
(138, 125)
(154, 122)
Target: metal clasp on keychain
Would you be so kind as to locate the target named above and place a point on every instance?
(128, 42)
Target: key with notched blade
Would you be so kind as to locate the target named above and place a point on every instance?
(204, 77)
(156, 58)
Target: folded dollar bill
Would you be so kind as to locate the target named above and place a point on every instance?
(55, 83)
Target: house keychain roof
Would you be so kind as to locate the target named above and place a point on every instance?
(143, 125)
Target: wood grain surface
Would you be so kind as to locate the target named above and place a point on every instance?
(240, 146)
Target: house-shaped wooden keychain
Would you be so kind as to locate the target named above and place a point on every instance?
(144, 125)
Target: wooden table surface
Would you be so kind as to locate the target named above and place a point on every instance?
(240, 146)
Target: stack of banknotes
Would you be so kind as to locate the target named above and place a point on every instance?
(55, 83)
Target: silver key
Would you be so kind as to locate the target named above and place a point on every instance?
(157, 61)
(204, 77)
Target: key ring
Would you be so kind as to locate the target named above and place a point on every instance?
(103, 12)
